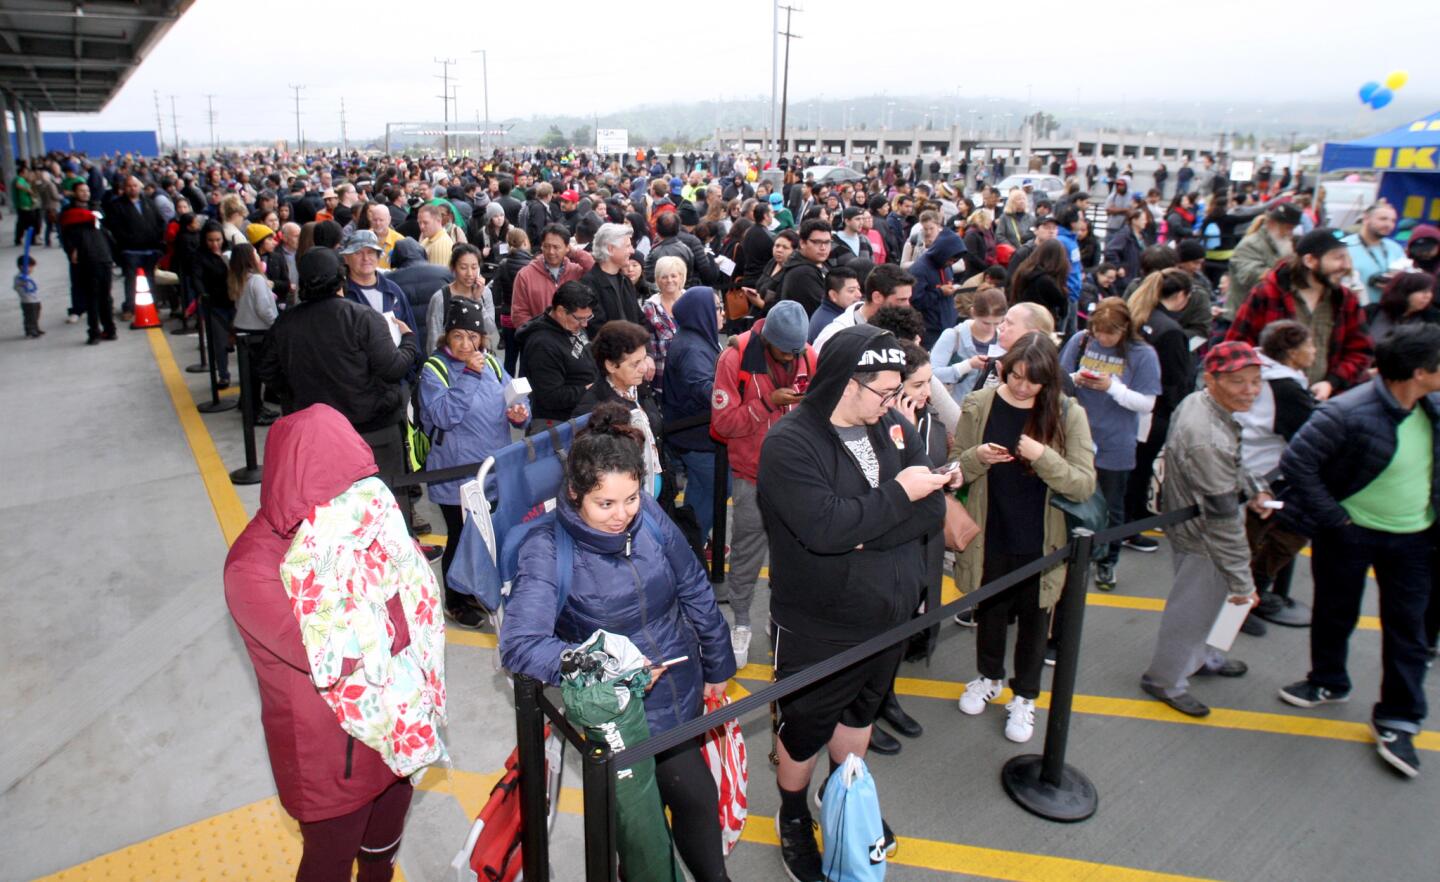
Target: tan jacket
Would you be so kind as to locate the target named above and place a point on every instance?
(1071, 475)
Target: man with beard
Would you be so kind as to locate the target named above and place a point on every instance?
(1259, 251)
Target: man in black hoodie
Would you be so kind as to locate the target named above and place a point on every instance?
(848, 498)
(802, 279)
(555, 355)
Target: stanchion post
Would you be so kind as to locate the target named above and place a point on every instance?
(251, 472)
(215, 404)
(534, 813)
(1045, 785)
(599, 781)
(717, 541)
(204, 364)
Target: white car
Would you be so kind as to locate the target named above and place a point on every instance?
(1048, 185)
(832, 174)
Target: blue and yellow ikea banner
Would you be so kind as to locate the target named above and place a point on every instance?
(1413, 147)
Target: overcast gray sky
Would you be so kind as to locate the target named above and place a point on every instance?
(379, 56)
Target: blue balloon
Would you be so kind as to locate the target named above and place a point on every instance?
(1381, 98)
(1368, 90)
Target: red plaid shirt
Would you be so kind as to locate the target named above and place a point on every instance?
(1350, 353)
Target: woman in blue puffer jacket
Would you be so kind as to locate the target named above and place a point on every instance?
(462, 409)
(628, 582)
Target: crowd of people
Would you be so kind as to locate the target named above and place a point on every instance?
(906, 372)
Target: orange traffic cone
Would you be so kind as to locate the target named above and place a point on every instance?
(145, 314)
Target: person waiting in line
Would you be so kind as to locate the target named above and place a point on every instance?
(961, 353)
(640, 582)
(212, 272)
(469, 285)
(332, 350)
(1209, 553)
(350, 803)
(1409, 298)
(555, 355)
(620, 354)
(692, 359)
(659, 313)
(1041, 278)
(786, 241)
(1019, 444)
(1282, 407)
(463, 410)
(1117, 379)
(1156, 308)
(255, 313)
(1356, 484)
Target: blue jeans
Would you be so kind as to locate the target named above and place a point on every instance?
(1112, 486)
(699, 466)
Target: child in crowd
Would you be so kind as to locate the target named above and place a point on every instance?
(29, 296)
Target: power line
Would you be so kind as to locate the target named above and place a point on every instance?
(299, 138)
(445, 97)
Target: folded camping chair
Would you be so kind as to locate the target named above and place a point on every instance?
(491, 852)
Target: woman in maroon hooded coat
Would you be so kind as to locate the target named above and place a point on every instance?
(348, 802)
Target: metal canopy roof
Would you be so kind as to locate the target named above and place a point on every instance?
(73, 57)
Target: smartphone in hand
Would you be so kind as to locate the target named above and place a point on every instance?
(948, 468)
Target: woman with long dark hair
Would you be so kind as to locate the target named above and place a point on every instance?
(1124, 246)
(635, 576)
(1409, 297)
(1019, 444)
(1041, 278)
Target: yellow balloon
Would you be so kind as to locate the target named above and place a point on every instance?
(1396, 79)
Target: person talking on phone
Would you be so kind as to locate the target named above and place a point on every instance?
(761, 376)
(638, 580)
(848, 499)
(1018, 444)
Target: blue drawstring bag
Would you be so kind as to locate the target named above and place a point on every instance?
(473, 571)
(850, 825)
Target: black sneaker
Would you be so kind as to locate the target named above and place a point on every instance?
(1141, 543)
(1253, 626)
(1397, 748)
(1052, 653)
(465, 616)
(432, 552)
(966, 618)
(799, 854)
(1307, 694)
(1105, 577)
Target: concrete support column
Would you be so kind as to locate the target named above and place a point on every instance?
(22, 143)
(37, 137)
(7, 155)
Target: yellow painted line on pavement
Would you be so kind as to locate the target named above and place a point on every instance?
(472, 789)
(228, 509)
(1149, 710)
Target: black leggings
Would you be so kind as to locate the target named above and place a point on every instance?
(688, 790)
(454, 523)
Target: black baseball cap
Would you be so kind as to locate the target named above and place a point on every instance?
(1285, 213)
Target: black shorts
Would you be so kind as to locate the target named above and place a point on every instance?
(851, 696)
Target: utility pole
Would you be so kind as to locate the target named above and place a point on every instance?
(774, 77)
(445, 97)
(785, 89)
(485, 76)
(160, 123)
(210, 106)
(174, 125)
(299, 138)
(344, 139)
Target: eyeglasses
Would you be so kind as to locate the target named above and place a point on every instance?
(885, 397)
(825, 242)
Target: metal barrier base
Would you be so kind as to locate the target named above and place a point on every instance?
(200, 368)
(246, 475)
(1075, 799)
(218, 406)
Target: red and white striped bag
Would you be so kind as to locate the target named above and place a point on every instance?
(724, 751)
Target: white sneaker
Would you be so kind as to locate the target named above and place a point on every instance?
(978, 693)
(71, 319)
(1021, 723)
(740, 642)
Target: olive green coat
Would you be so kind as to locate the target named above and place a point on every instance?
(1072, 475)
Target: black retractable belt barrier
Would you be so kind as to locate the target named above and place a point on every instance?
(251, 472)
(204, 364)
(215, 404)
(534, 813)
(599, 782)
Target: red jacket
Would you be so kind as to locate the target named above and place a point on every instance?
(739, 417)
(534, 289)
(320, 771)
(1350, 353)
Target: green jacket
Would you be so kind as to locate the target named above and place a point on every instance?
(1072, 475)
(1255, 256)
(22, 197)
